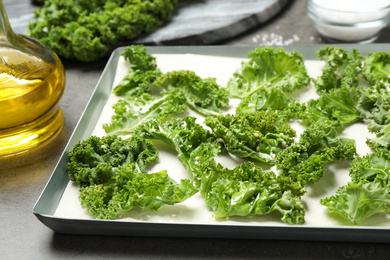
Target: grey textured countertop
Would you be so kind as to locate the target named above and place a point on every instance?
(22, 236)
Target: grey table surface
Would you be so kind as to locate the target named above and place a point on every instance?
(22, 236)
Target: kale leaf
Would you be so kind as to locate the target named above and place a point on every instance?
(96, 159)
(128, 189)
(304, 161)
(247, 190)
(269, 67)
(377, 67)
(193, 143)
(131, 112)
(358, 201)
(142, 72)
(271, 100)
(337, 105)
(204, 96)
(341, 68)
(258, 135)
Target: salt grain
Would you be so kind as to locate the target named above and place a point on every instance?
(274, 39)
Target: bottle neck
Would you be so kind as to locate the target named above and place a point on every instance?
(6, 32)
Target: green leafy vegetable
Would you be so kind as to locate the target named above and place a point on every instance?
(269, 67)
(271, 100)
(303, 162)
(341, 68)
(95, 160)
(128, 189)
(337, 104)
(142, 72)
(377, 67)
(139, 58)
(372, 167)
(380, 125)
(191, 141)
(368, 193)
(87, 29)
(258, 135)
(247, 190)
(340, 104)
(131, 112)
(358, 201)
(375, 105)
(203, 95)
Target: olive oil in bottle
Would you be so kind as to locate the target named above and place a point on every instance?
(32, 81)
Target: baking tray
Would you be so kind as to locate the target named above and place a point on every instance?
(50, 198)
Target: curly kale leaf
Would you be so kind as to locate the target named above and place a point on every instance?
(247, 190)
(95, 160)
(368, 193)
(182, 134)
(271, 99)
(304, 161)
(377, 67)
(382, 134)
(357, 201)
(310, 114)
(258, 135)
(375, 106)
(128, 189)
(142, 72)
(338, 104)
(382, 139)
(372, 167)
(139, 58)
(341, 68)
(366, 103)
(194, 144)
(136, 83)
(203, 95)
(86, 30)
(269, 67)
(131, 112)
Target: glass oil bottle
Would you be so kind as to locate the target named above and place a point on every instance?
(32, 81)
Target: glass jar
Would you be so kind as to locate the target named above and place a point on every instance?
(350, 21)
(32, 81)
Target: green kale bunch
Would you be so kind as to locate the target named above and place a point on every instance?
(87, 29)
